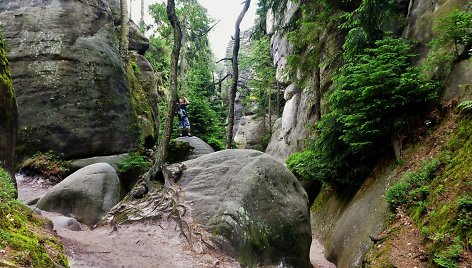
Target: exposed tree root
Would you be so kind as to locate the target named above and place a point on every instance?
(159, 204)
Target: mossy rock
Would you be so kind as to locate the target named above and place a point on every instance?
(27, 239)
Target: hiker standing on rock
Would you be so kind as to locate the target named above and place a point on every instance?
(183, 116)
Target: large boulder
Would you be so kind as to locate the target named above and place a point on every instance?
(71, 85)
(255, 208)
(137, 41)
(8, 114)
(250, 132)
(199, 147)
(87, 194)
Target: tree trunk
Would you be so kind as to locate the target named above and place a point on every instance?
(182, 61)
(164, 143)
(124, 30)
(270, 109)
(317, 85)
(234, 86)
(278, 100)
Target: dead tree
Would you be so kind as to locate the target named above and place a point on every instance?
(234, 86)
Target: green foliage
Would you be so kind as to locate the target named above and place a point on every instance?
(465, 106)
(366, 24)
(159, 55)
(298, 164)
(135, 67)
(204, 116)
(448, 258)
(464, 216)
(438, 197)
(454, 30)
(262, 83)
(47, 164)
(310, 40)
(23, 234)
(7, 190)
(5, 75)
(134, 161)
(375, 94)
(413, 187)
(206, 122)
(453, 37)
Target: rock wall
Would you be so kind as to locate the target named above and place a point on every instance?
(8, 114)
(72, 90)
(291, 131)
(346, 218)
(348, 222)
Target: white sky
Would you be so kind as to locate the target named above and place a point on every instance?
(225, 10)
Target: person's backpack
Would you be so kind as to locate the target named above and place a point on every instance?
(182, 112)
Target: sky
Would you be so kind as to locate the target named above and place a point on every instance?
(225, 11)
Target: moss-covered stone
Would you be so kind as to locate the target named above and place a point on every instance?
(140, 104)
(27, 239)
(8, 113)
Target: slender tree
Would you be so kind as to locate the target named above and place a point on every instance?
(234, 86)
(124, 30)
(182, 60)
(164, 144)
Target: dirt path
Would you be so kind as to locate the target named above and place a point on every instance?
(137, 245)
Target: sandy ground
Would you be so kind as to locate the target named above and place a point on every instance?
(137, 245)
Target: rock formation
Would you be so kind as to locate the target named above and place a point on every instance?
(253, 206)
(87, 194)
(8, 114)
(345, 221)
(250, 133)
(71, 85)
(199, 146)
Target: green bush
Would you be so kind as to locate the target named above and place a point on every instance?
(453, 37)
(413, 188)
(465, 106)
(206, 120)
(134, 161)
(464, 217)
(448, 257)
(375, 95)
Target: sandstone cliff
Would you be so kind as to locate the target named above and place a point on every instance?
(343, 219)
(72, 89)
(8, 113)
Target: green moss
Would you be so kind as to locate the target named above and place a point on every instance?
(5, 75)
(47, 164)
(322, 198)
(438, 197)
(140, 104)
(24, 236)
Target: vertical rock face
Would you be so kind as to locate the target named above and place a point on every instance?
(72, 90)
(8, 113)
(290, 132)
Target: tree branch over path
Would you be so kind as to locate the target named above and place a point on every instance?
(231, 59)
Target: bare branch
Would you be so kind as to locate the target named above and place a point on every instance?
(231, 59)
